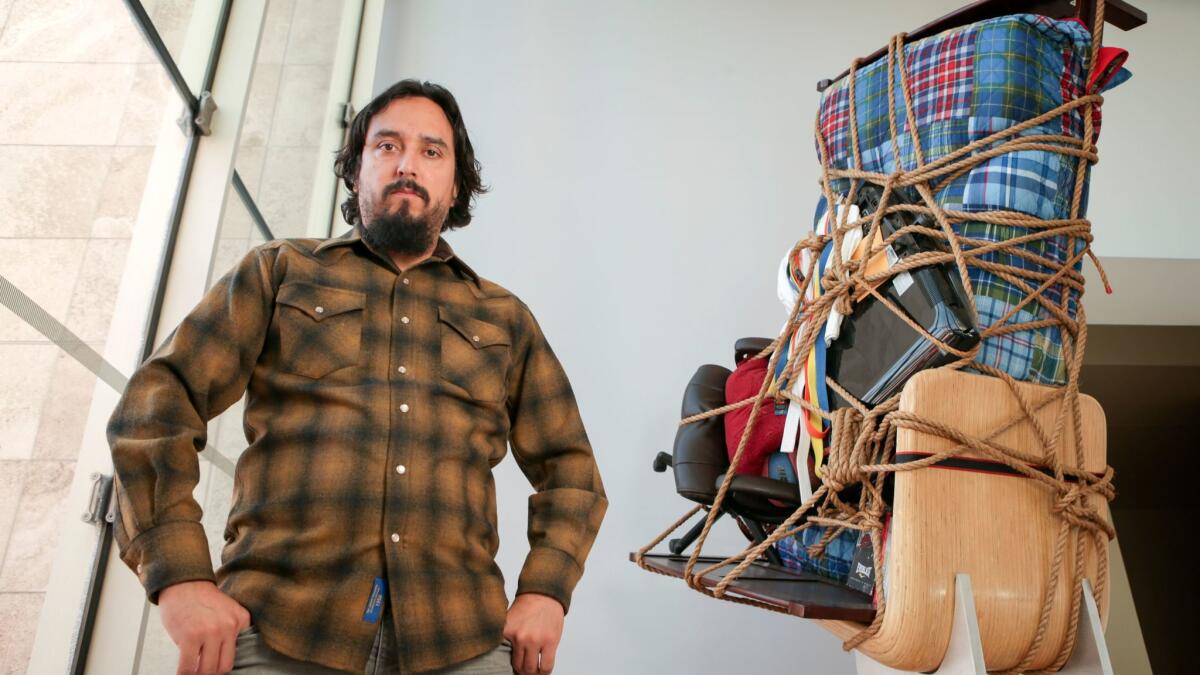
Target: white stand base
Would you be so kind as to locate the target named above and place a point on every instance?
(964, 654)
(1091, 651)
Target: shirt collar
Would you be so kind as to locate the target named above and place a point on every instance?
(442, 253)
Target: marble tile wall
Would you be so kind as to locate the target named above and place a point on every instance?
(278, 156)
(83, 99)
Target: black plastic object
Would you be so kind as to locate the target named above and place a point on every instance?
(699, 456)
(745, 348)
(751, 496)
(700, 460)
(877, 351)
(680, 544)
(661, 461)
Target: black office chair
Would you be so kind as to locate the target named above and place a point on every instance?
(700, 459)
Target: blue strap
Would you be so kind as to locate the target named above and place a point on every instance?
(822, 389)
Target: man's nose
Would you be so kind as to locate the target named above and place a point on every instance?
(406, 164)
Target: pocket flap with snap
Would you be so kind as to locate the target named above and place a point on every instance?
(478, 333)
(319, 302)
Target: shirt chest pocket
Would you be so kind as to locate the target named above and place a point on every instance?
(320, 328)
(474, 355)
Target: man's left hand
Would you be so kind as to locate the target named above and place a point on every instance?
(534, 626)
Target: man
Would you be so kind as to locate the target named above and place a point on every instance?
(384, 380)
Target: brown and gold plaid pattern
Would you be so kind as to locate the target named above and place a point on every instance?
(378, 402)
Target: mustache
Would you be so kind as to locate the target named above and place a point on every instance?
(409, 185)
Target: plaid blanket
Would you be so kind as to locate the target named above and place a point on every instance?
(835, 564)
(967, 83)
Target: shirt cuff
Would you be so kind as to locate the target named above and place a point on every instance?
(169, 554)
(550, 571)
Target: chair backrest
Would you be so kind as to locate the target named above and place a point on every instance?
(699, 454)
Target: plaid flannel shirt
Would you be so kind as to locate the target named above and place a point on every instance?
(378, 402)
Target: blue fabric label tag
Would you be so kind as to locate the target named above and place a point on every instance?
(375, 602)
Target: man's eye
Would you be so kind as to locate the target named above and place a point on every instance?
(433, 152)
(387, 146)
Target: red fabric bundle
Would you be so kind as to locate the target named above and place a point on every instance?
(743, 383)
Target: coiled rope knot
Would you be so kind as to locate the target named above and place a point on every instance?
(842, 469)
(1072, 503)
(844, 303)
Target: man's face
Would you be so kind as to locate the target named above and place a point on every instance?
(406, 182)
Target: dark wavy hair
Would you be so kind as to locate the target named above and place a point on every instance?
(466, 167)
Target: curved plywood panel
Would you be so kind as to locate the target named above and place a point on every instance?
(1000, 529)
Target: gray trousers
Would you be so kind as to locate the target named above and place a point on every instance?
(254, 657)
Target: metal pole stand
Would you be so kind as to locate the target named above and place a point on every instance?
(964, 654)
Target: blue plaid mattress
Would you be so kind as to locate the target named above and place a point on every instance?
(966, 84)
(834, 564)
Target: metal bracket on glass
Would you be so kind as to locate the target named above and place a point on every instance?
(201, 122)
(100, 502)
(348, 114)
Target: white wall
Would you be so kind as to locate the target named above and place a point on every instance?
(650, 163)
(1144, 184)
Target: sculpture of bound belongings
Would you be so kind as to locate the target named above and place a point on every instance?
(928, 369)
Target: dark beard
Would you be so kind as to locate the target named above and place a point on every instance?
(401, 233)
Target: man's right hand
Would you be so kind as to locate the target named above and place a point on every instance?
(204, 623)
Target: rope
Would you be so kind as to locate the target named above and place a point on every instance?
(862, 448)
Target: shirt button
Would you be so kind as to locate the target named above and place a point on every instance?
(405, 281)
(475, 338)
(401, 469)
(404, 319)
(320, 309)
(403, 407)
(395, 538)
(402, 370)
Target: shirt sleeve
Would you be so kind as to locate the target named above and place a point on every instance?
(160, 424)
(551, 447)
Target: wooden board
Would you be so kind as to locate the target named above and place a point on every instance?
(999, 529)
(804, 595)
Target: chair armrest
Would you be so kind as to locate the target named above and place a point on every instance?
(765, 488)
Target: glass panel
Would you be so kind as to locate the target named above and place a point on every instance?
(171, 19)
(277, 160)
(87, 111)
(236, 236)
(226, 441)
(278, 156)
